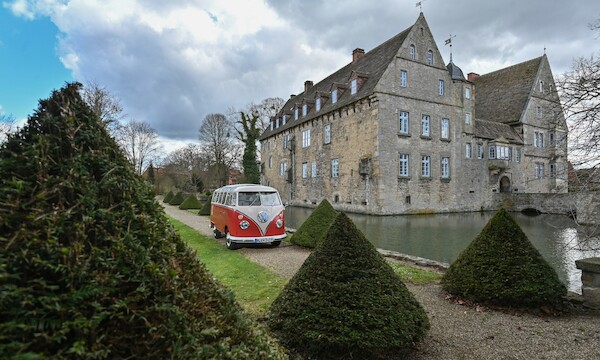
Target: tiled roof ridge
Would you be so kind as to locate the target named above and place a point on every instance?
(512, 67)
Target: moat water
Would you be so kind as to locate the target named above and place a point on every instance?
(442, 237)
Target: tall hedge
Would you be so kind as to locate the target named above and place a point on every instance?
(502, 267)
(168, 197)
(90, 268)
(205, 209)
(191, 202)
(314, 228)
(177, 199)
(346, 302)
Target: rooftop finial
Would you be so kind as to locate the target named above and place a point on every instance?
(449, 42)
(420, 5)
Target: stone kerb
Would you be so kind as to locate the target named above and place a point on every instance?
(590, 279)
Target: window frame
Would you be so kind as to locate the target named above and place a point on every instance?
(313, 169)
(318, 104)
(429, 57)
(334, 96)
(467, 118)
(404, 122)
(441, 87)
(445, 167)
(353, 87)
(305, 138)
(327, 134)
(412, 51)
(403, 78)
(304, 170)
(480, 151)
(468, 150)
(426, 125)
(425, 166)
(445, 129)
(335, 168)
(404, 165)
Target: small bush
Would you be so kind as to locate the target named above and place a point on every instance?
(190, 203)
(168, 197)
(501, 267)
(314, 228)
(346, 302)
(177, 199)
(205, 209)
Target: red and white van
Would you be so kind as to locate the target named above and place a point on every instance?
(247, 214)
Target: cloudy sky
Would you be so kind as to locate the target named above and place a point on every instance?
(173, 62)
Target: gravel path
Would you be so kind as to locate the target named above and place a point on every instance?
(457, 331)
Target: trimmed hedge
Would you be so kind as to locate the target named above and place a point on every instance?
(177, 199)
(346, 302)
(190, 203)
(314, 228)
(205, 209)
(90, 268)
(168, 197)
(502, 267)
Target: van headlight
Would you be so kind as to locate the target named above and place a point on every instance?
(244, 224)
(279, 223)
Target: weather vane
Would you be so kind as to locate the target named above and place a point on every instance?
(420, 5)
(449, 42)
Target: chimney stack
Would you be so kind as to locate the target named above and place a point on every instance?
(472, 76)
(292, 96)
(357, 54)
(307, 85)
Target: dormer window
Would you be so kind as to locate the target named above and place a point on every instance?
(271, 126)
(412, 52)
(334, 94)
(276, 123)
(296, 113)
(429, 57)
(304, 110)
(284, 119)
(353, 86)
(318, 104)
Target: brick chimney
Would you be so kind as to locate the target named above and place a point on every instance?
(472, 76)
(357, 54)
(292, 96)
(307, 85)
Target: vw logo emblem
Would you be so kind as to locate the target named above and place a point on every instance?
(263, 216)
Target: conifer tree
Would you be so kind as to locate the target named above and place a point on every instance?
(314, 228)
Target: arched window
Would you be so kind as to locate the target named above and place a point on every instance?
(412, 52)
(430, 57)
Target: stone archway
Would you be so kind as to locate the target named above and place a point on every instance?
(505, 184)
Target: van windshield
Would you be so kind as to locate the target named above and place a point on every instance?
(258, 198)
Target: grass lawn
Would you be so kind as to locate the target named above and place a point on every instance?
(254, 286)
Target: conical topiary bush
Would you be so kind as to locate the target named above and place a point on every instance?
(177, 199)
(90, 268)
(314, 228)
(205, 209)
(501, 267)
(191, 202)
(346, 300)
(168, 197)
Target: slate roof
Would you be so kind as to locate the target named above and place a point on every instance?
(492, 130)
(502, 95)
(455, 72)
(371, 65)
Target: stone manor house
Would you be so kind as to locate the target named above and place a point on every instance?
(397, 131)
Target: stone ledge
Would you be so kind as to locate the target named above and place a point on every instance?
(590, 264)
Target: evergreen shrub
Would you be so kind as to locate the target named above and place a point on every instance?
(346, 302)
(314, 228)
(502, 267)
(191, 202)
(177, 199)
(205, 209)
(90, 267)
(168, 197)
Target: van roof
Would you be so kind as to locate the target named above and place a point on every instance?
(246, 187)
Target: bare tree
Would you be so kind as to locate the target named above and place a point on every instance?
(186, 165)
(140, 143)
(221, 148)
(103, 103)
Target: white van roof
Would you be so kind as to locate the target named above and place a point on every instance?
(246, 187)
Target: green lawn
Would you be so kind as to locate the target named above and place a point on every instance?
(254, 286)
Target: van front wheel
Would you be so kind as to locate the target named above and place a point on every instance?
(231, 245)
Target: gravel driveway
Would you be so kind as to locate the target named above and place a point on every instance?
(457, 331)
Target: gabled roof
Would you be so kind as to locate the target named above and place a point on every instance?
(502, 95)
(370, 66)
(492, 130)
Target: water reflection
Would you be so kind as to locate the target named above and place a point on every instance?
(442, 237)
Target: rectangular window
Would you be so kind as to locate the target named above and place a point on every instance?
(306, 138)
(276, 123)
(271, 126)
(552, 170)
(353, 87)
(404, 122)
(412, 52)
(335, 168)
(425, 166)
(541, 140)
(480, 151)
(334, 96)
(468, 118)
(296, 114)
(538, 112)
(313, 172)
(492, 152)
(441, 87)
(304, 170)
(327, 134)
(304, 109)
(467, 92)
(539, 170)
(282, 168)
(318, 104)
(425, 126)
(445, 128)
(518, 155)
(430, 57)
(284, 119)
(404, 165)
(403, 78)
(445, 167)
(468, 150)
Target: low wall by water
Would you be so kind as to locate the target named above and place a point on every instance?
(584, 207)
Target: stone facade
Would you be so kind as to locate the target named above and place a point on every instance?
(397, 131)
